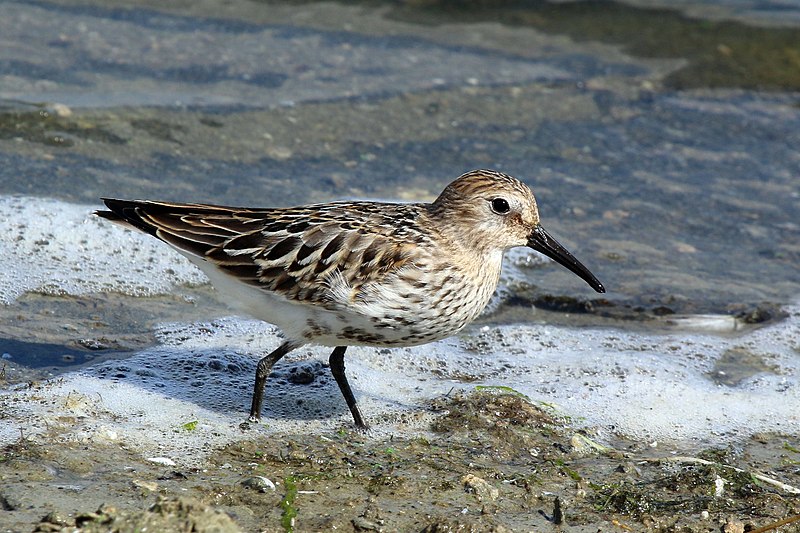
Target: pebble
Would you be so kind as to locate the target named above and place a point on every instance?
(259, 483)
(61, 110)
(733, 526)
(480, 487)
(166, 461)
(150, 486)
(363, 524)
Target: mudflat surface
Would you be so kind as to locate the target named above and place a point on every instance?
(491, 462)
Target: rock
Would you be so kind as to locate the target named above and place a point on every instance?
(733, 526)
(480, 487)
(361, 523)
(150, 486)
(166, 461)
(259, 483)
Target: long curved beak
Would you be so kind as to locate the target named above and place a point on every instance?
(542, 242)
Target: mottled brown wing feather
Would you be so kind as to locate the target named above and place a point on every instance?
(192, 228)
(291, 251)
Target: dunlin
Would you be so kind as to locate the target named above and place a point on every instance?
(356, 273)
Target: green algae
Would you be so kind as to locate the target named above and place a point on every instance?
(43, 125)
(189, 426)
(287, 504)
(160, 129)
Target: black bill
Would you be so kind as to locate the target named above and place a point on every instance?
(542, 242)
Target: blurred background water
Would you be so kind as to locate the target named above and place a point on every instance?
(661, 139)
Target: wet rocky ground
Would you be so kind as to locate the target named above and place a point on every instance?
(492, 461)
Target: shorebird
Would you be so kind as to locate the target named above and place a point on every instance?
(356, 273)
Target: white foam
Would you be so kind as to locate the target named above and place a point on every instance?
(649, 387)
(53, 247)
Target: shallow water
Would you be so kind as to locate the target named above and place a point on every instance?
(682, 202)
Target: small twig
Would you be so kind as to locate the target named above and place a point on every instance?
(761, 477)
(776, 525)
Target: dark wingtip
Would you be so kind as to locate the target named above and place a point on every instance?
(125, 212)
(110, 215)
(116, 209)
(116, 205)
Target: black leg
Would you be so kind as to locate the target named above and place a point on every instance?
(337, 369)
(262, 373)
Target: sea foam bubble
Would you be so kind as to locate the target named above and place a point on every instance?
(654, 387)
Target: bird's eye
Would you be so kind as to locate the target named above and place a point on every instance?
(500, 206)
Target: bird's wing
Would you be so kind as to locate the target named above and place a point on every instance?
(322, 254)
